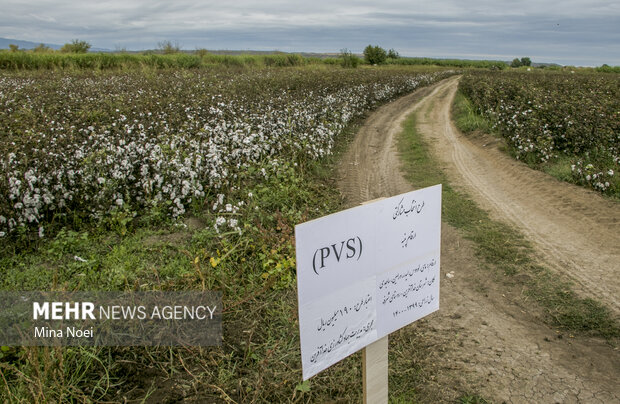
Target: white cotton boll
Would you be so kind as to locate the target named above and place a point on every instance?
(219, 221)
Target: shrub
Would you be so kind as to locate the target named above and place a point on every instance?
(168, 47)
(201, 52)
(349, 60)
(42, 48)
(76, 46)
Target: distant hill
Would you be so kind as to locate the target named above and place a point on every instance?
(5, 42)
(254, 52)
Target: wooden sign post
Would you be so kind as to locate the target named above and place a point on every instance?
(375, 372)
(375, 366)
(363, 273)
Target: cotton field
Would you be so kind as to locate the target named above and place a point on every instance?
(93, 144)
(550, 116)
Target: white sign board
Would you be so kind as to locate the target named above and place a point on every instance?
(365, 272)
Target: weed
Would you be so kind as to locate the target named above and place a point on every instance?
(472, 399)
(466, 118)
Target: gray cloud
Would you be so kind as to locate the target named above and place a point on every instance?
(571, 32)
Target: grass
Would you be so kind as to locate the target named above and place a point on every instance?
(560, 168)
(28, 60)
(504, 250)
(466, 118)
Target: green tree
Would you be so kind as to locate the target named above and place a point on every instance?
(515, 63)
(76, 46)
(526, 61)
(375, 55)
(13, 47)
(392, 54)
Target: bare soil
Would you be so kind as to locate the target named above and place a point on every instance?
(487, 338)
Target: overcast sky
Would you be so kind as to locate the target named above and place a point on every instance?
(585, 33)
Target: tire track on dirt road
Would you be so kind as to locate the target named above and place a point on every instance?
(483, 339)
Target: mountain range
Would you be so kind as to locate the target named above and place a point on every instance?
(5, 42)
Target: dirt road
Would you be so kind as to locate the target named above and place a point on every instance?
(576, 230)
(484, 339)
